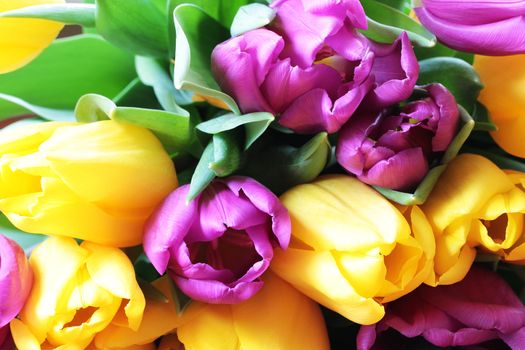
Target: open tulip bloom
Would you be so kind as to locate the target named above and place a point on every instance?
(247, 174)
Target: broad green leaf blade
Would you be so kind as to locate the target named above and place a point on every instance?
(83, 14)
(221, 10)
(481, 116)
(174, 131)
(46, 113)
(193, 53)
(250, 17)
(255, 125)
(404, 6)
(92, 108)
(139, 26)
(422, 192)
(282, 167)
(203, 175)
(440, 50)
(65, 71)
(136, 94)
(26, 240)
(456, 75)
(385, 23)
(226, 154)
(152, 73)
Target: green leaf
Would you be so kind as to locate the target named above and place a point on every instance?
(193, 53)
(152, 73)
(83, 14)
(440, 50)
(136, 94)
(482, 118)
(221, 10)
(173, 130)
(46, 113)
(281, 167)
(92, 108)
(422, 192)
(404, 6)
(26, 240)
(203, 175)
(386, 23)
(255, 125)
(226, 154)
(456, 75)
(66, 70)
(139, 26)
(250, 17)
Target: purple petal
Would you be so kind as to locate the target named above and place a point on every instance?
(396, 71)
(349, 43)
(16, 279)
(505, 36)
(401, 172)
(215, 292)
(168, 226)
(241, 64)
(448, 121)
(267, 202)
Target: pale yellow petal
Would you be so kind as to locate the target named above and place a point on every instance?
(23, 337)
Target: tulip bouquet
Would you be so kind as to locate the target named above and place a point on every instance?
(253, 174)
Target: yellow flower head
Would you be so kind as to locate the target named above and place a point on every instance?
(22, 39)
(351, 249)
(475, 204)
(97, 182)
(504, 97)
(278, 317)
(78, 292)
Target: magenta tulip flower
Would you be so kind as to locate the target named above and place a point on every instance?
(16, 279)
(217, 246)
(480, 312)
(312, 68)
(485, 27)
(395, 147)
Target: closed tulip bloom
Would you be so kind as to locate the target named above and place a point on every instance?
(481, 312)
(504, 97)
(217, 246)
(394, 148)
(278, 317)
(481, 26)
(311, 67)
(475, 204)
(22, 39)
(16, 280)
(78, 292)
(351, 249)
(97, 182)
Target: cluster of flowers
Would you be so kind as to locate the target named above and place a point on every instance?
(257, 266)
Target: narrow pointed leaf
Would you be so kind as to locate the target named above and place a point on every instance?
(46, 113)
(203, 175)
(226, 154)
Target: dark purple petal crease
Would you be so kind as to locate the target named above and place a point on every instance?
(217, 247)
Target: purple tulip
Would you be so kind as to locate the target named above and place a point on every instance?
(480, 312)
(6, 340)
(481, 26)
(395, 147)
(16, 279)
(312, 68)
(218, 245)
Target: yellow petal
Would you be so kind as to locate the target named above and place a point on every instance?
(151, 328)
(112, 270)
(463, 190)
(279, 317)
(504, 96)
(317, 275)
(211, 328)
(23, 337)
(22, 39)
(170, 342)
(339, 212)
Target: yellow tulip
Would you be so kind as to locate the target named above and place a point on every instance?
(97, 182)
(276, 318)
(78, 292)
(504, 97)
(22, 39)
(170, 342)
(160, 317)
(351, 249)
(475, 204)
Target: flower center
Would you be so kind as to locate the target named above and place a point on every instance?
(497, 228)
